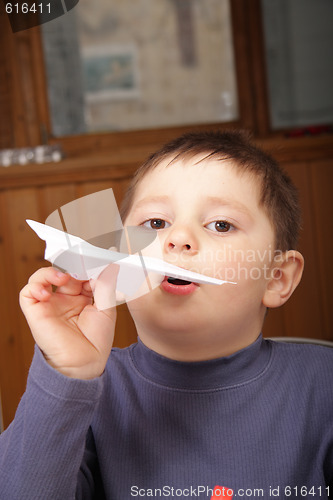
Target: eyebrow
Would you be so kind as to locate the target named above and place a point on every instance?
(215, 200)
(151, 199)
(210, 200)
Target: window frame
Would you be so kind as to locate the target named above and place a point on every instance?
(26, 108)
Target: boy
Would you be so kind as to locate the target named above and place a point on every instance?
(202, 399)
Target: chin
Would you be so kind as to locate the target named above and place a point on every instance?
(166, 322)
(157, 311)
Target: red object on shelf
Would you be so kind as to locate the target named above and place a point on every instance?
(310, 130)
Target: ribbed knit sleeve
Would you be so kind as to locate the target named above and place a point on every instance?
(41, 451)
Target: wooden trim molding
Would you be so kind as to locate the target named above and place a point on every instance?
(120, 162)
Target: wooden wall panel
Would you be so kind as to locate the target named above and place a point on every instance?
(299, 316)
(53, 197)
(6, 125)
(303, 310)
(321, 177)
(26, 256)
(118, 185)
(274, 324)
(11, 373)
(307, 312)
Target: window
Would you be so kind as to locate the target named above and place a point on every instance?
(298, 46)
(116, 66)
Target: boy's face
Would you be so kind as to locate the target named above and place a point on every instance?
(209, 221)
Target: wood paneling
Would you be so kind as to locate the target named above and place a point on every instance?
(23, 93)
(250, 66)
(309, 313)
(11, 370)
(321, 179)
(6, 128)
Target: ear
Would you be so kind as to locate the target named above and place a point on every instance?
(286, 273)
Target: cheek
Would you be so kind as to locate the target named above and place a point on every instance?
(245, 295)
(248, 276)
(245, 267)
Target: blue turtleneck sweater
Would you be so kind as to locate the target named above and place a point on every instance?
(258, 422)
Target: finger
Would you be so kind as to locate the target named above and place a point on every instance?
(76, 288)
(72, 286)
(86, 289)
(48, 276)
(33, 293)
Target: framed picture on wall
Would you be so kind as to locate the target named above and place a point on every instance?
(110, 72)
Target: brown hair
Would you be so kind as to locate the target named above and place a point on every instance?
(278, 196)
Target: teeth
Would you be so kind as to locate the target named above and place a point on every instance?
(177, 281)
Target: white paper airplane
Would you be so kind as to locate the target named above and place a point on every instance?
(85, 261)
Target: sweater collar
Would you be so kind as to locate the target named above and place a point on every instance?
(236, 369)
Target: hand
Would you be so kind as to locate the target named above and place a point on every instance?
(74, 336)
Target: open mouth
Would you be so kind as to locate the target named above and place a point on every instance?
(177, 281)
(177, 286)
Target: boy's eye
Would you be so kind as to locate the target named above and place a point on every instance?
(221, 226)
(155, 223)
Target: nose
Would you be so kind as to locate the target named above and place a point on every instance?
(181, 239)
